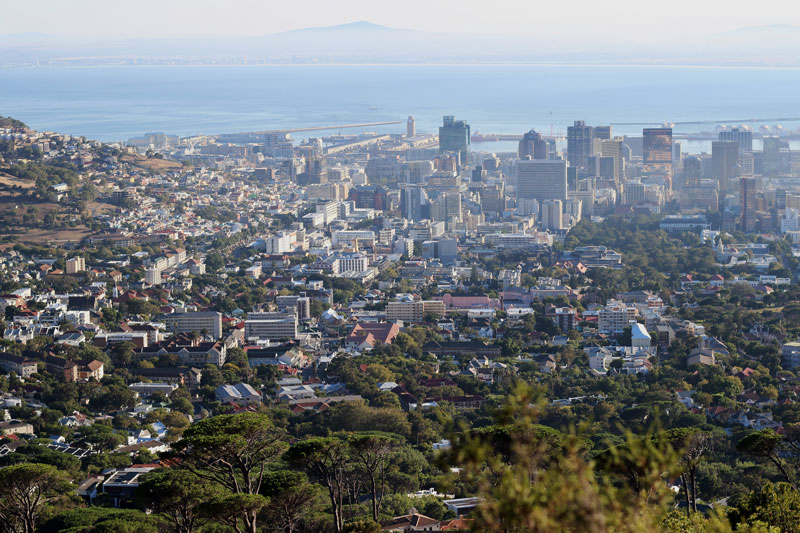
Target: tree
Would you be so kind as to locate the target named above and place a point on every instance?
(101, 519)
(121, 354)
(693, 445)
(371, 453)
(177, 494)
(765, 444)
(292, 499)
(775, 504)
(325, 458)
(233, 451)
(25, 489)
(237, 511)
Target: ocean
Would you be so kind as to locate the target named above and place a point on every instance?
(117, 103)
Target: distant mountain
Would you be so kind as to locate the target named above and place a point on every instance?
(360, 25)
(366, 42)
(770, 30)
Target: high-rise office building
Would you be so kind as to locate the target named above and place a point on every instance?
(493, 199)
(692, 171)
(743, 137)
(553, 215)
(579, 143)
(592, 166)
(455, 136)
(771, 160)
(447, 206)
(657, 154)
(608, 168)
(657, 146)
(414, 202)
(316, 172)
(634, 193)
(724, 159)
(542, 179)
(601, 132)
(613, 148)
(411, 127)
(747, 204)
(532, 144)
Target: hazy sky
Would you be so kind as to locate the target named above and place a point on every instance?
(616, 19)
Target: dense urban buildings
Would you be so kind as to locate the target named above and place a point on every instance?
(374, 292)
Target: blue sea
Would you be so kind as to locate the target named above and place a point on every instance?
(116, 103)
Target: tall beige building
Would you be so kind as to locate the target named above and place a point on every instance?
(75, 265)
(414, 311)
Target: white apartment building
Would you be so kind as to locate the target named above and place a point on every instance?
(615, 317)
(349, 236)
(208, 321)
(791, 354)
(279, 244)
(270, 326)
(152, 276)
(519, 240)
(353, 262)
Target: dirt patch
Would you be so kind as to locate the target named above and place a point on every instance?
(7, 181)
(53, 237)
(152, 164)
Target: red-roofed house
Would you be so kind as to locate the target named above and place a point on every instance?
(366, 336)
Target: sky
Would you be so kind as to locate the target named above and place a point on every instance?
(581, 19)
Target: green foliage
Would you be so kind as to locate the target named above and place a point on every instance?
(25, 490)
(95, 519)
(775, 504)
(177, 495)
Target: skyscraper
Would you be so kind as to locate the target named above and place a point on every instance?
(552, 215)
(747, 204)
(542, 179)
(454, 136)
(601, 132)
(743, 137)
(657, 146)
(447, 206)
(414, 202)
(771, 161)
(634, 193)
(493, 199)
(411, 127)
(692, 171)
(579, 143)
(532, 144)
(613, 148)
(657, 151)
(724, 157)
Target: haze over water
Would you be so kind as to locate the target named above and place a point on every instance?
(116, 103)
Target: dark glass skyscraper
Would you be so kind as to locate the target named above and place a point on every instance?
(657, 152)
(579, 143)
(747, 204)
(455, 136)
(532, 144)
(692, 171)
(724, 157)
(657, 146)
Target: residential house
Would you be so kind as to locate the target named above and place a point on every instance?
(21, 366)
(241, 394)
